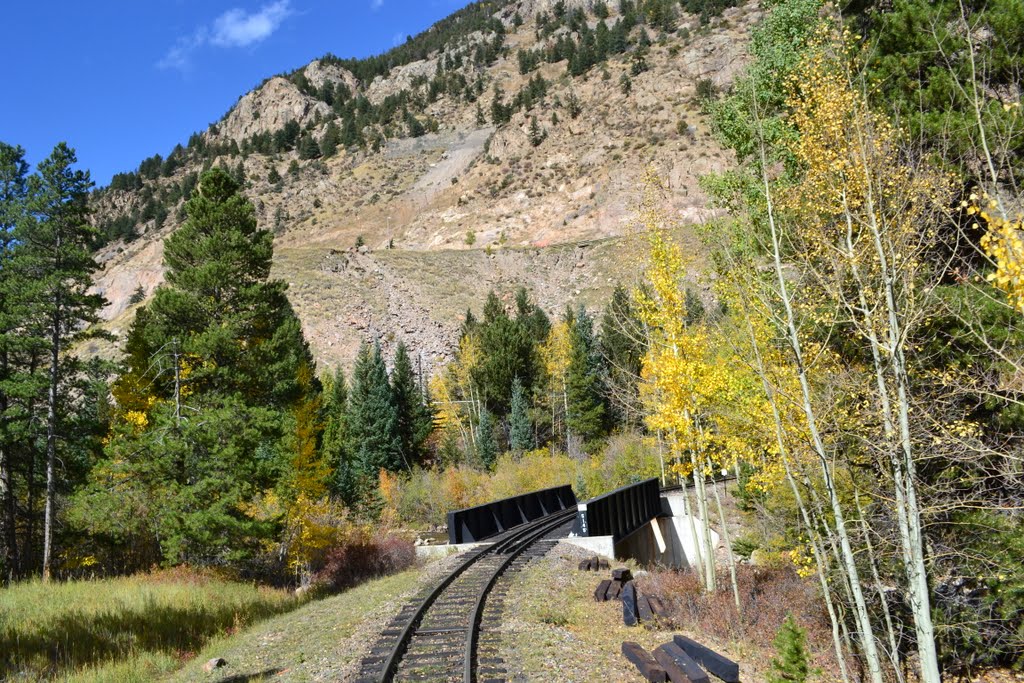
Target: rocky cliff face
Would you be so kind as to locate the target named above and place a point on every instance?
(473, 206)
(268, 108)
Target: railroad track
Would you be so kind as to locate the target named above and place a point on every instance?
(449, 633)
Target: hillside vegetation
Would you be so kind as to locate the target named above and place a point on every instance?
(559, 243)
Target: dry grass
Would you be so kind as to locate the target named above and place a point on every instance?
(119, 629)
(767, 597)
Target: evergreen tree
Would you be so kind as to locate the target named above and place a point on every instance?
(53, 267)
(531, 318)
(13, 193)
(537, 134)
(520, 430)
(486, 444)
(585, 416)
(507, 352)
(336, 441)
(217, 398)
(625, 84)
(622, 347)
(373, 439)
(308, 149)
(415, 419)
(330, 141)
(500, 112)
(791, 665)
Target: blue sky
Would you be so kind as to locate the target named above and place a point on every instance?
(120, 80)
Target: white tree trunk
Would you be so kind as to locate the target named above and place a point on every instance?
(860, 605)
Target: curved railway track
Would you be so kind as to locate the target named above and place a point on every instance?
(447, 633)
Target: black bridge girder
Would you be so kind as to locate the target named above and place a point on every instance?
(483, 521)
(620, 512)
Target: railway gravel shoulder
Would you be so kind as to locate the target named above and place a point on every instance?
(321, 641)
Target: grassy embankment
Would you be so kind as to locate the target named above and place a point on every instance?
(125, 629)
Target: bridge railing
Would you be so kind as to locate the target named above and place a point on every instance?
(483, 521)
(620, 512)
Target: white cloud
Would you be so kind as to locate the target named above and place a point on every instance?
(234, 28)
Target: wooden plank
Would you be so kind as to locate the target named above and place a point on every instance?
(630, 616)
(719, 665)
(622, 574)
(657, 606)
(644, 662)
(643, 606)
(679, 666)
(602, 565)
(584, 565)
(601, 592)
(614, 589)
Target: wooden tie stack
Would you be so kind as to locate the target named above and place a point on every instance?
(636, 607)
(681, 660)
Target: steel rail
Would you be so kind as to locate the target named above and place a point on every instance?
(524, 537)
(478, 609)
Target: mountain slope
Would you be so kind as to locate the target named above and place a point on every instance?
(465, 200)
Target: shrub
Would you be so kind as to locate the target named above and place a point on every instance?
(362, 559)
(777, 593)
(706, 90)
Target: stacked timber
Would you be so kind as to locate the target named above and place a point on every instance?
(681, 660)
(593, 564)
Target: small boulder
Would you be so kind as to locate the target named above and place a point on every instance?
(215, 663)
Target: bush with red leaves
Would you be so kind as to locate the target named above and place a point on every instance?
(362, 559)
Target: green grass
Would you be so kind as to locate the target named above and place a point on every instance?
(320, 641)
(125, 629)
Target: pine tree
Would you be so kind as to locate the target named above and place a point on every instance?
(308, 149)
(585, 380)
(415, 421)
(625, 84)
(13, 193)
(623, 347)
(54, 267)
(537, 134)
(507, 352)
(531, 318)
(335, 441)
(486, 444)
(330, 141)
(791, 665)
(520, 430)
(373, 438)
(212, 401)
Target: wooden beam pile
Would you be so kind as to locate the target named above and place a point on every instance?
(636, 607)
(594, 564)
(681, 660)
